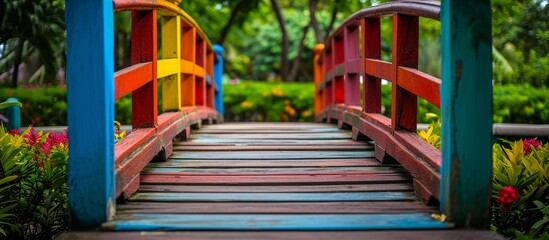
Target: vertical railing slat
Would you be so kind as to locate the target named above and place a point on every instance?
(352, 53)
(200, 87)
(90, 86)
(188, 53)
(171, 48)
(218, 77)
(144, 49)
(466, 105)
(371, 48)
(318, 65)
(405, 53)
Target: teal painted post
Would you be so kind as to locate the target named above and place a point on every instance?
(218, 78)
(14, 115)
(466, 95)
(90, 93)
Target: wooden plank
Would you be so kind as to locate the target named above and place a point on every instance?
(167, 67)
(268, 142)
(272, 155)
(271, 148)
(273, 189)
(273, 207)
(271, 171)
(379, 69)
(290, 235)
(271, 131)
(356, 162)
(279, 179)
(317, 136)
(135, 222)
(90, 47)
(466, 91)
(272, 197)
(277, 125)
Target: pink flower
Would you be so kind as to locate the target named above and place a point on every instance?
(32, 138)
(55, 139)
(528, 143)
(14, 132)
(507, 196)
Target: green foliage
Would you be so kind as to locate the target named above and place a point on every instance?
(521, 104)
(261, 101)
(527, 170)
(34, 199)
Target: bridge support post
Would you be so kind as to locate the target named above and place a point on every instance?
(90, 86)
(466, 94)
(14, 115)
(218, 79)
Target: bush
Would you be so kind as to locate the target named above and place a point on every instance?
(261, 101)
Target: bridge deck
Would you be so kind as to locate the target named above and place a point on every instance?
(263, 177)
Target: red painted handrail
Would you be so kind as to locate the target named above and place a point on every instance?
(354, 50)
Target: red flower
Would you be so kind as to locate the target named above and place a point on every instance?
(507, 196)
(14, 132)
(528, 143)
(32, 138)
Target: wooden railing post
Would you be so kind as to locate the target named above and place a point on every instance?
(405, 53)
(319, 74)
(371, 48)
(200, 76)
(90, 86)
(144, 49)
(466, 94)
(218, 77)
(171, 48)
(14, 114)
(353, 66)
(188, 56)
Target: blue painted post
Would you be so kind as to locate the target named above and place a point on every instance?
(14, 115)
(218, 78)
(90, 86)
(466, 95)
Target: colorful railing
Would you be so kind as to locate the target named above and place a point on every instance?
(190, 70)
(459, 176)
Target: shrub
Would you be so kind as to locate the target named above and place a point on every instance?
(261, 101)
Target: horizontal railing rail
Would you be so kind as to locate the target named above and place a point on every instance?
(190, 69)
(353, 52)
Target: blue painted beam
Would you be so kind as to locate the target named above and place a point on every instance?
(14, 114)
(274, 197)
(218, 78)
(303, 222)
(90, 93)
(466, 102)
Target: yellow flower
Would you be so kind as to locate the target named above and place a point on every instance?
(246, 104)
(277, 92)
(306, 113)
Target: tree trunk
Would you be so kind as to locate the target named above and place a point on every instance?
(332, 21)
(16, 62)
(284, 63)
(242, 5)
(314, 23)
(297, 61)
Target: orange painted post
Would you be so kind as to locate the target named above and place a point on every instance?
(188, 55)
(210, 83)
(405, 53)
(144, 49)
(371, 48)
(318, 66)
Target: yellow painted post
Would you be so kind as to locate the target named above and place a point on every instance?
(188, 57)
(171, 48)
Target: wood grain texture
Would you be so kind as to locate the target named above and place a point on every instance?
(289, 235)
(382, 187)
(358, 162)
(272, 155)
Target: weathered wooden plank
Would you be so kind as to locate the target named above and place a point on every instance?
(273, 207)
(242, 147)
(317, 136)
(358, 162)
(271, 171)
(90, 47)
(277, 126)
(381, 187)
(272, 131)
(279, 179)
(272, 155)
(272, 197)
(291, 235)
(269, 142)
(150, 222)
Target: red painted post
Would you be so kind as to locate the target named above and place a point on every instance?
(338, 60)
(405, 53)
(200, 87)
(144, 49)
(353, 66)
(371, 48)
(328, 79)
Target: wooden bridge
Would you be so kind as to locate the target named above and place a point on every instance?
(359, 174)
